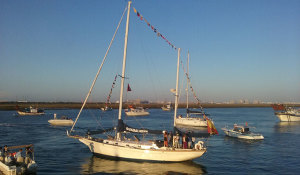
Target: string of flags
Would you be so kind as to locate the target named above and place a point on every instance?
(113, 85)
(153, 28)
(192, 89)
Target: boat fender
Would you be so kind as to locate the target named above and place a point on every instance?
(199, 145)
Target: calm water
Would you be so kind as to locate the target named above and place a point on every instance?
(55, 153)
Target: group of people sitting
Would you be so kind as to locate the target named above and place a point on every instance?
(187, 142)
(15, 158)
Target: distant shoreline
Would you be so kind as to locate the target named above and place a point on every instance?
(98, 105)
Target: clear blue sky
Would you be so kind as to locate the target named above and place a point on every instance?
(50, 50)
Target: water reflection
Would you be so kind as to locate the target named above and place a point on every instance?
(287, 127)
(97, 165)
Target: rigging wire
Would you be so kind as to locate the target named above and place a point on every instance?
(96, 77)
(190, 85)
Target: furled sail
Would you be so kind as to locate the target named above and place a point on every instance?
(196, 112)
(122, 127)
(99, 131)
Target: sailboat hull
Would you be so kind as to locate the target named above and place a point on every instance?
(137, 113)
(125, 150)
(190, 122)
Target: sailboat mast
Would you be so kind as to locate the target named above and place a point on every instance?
(187, 82)
(176, 94)
(124, 65)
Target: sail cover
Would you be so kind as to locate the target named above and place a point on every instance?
(99, 131)
(122, 127)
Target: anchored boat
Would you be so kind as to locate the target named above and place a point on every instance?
(167, 107)
(242, 132)
(139, 111)
(63, 121)
(193, 118)
(286, 113)
(119, 146)
(30, 111)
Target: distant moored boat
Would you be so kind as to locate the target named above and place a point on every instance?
(63, 121)
(30, 111)
(242, 132)
(286, 114)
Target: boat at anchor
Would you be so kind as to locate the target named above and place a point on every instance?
(121, 147)
(242, 132)
(138, 111)
(193, 118)
(30, 111)
(63, 121)
(286, 113)
(167, 107)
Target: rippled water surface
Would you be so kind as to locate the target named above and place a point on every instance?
(56, 153)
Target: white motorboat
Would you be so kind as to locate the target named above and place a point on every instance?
(242, 132)
(286, 114)
(23, 165)
(121, 147)
(167, 107)
(139, 111)
(31, 111)
(106, 108)
(63, 121)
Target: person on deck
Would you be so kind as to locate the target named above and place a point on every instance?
(5, 151)
(18, 154)
(170, 138)
(28, 155)
(189, 140)
(184, 141)
(176, 141)
(165, 139)
(9, 159)
(193, 142)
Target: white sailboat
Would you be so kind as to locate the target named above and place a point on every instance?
(119, 147)
(138, 111)
(193, 118)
